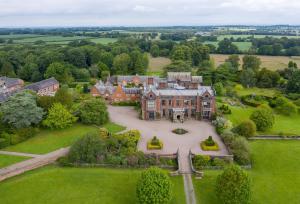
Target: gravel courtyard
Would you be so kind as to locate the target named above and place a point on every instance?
(197, 132)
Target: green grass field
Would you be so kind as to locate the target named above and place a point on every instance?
(275, 175)
(6, 160)
(49, 140)
(53, 39)
(244, 46)
(54, 185)
(286, 125)
(257, 91)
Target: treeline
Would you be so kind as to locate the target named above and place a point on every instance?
(178, 36)
(79, 61)
(277, 46)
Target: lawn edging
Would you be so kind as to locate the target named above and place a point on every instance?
(274, 137)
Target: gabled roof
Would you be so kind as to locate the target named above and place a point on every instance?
(10, 82)
(42, 84)
(181, 76)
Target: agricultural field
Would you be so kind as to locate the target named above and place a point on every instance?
(6, 160)
(222, 37)
(53, 184)
(156, 64)
(49, 140)
(243, 46)
(275, 174)
(53, 39)
(269, 62)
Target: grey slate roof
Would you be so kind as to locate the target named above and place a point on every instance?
(10, 82)
(182, 92)
(42, 84)
(102, 88)
(182, 76)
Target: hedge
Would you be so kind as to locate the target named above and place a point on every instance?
(209, 148)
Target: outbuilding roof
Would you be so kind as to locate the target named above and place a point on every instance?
(42, 84)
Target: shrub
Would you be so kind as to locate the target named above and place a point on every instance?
(219, 162)
(246, 129)
(209, 141)
(253, 100)
(209, 148)
(263, 118)
(93, 111)
(87, 149)
(297, 102)
(224, 109)
(103, 132)
(154, 187)
(59, 117)
(283, 106)
(4, 140)
(221, 124)
(154, 143)
(287, 108)
(219, 88)
(240, 150)
(233, 186)
(201, 161)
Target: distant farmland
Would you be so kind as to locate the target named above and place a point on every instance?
(53, 39)
(270, 62)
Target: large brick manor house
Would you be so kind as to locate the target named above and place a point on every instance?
(178, 97)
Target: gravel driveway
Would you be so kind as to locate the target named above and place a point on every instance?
(197, 132)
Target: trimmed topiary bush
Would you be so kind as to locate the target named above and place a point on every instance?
(154, 143)
(154, 187)
(263, 118)
(233, 186)
(209, 145)
(246, 129)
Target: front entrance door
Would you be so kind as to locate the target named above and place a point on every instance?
(151, 115)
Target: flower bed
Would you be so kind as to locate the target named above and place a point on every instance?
(209, 145)
(179, 131)
(154, 144)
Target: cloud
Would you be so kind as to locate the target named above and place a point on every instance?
(145, 12)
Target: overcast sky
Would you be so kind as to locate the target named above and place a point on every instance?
(15, 13)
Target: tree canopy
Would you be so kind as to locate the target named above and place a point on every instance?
(21, 110)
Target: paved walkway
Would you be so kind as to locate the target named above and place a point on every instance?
(31, 164)
(20, 154)
(186, 171)
(190, 197)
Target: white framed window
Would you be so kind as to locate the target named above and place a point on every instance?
(151, 105)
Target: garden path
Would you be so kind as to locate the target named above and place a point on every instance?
(20, 154)
(31, 164)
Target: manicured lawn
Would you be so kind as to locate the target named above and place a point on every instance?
(286, 125)
(6, 160)
(49, 140)
(257, 91)
(114, 128)
(78, 185)
(275, 174)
